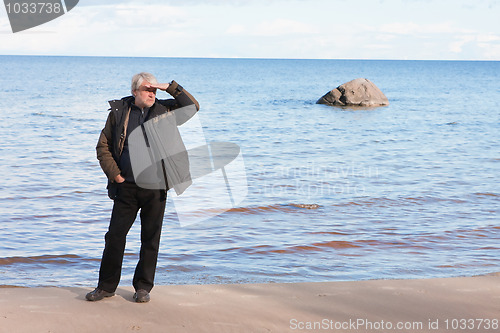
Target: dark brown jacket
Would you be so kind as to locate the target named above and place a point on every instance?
(112, 139)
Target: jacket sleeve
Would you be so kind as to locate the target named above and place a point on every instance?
(104, 150)
(182, 96)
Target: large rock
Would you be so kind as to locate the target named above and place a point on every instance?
(358, 92)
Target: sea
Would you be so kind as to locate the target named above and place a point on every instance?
(410, 190)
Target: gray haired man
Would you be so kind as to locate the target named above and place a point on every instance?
(113, 154)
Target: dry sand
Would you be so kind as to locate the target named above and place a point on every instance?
(429, 305)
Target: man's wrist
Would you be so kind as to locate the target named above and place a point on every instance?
(174, 88)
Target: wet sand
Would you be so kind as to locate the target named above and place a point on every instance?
(464, 304)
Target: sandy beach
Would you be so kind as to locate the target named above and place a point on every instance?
(464, 304)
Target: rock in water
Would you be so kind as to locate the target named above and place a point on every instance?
(358, 92)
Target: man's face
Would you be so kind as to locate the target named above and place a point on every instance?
(145, 97)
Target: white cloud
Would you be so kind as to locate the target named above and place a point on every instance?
(487, 44)
(126, 29)
(378, 46)
(490, 51)
(272, 28)
(415, 29)
(457, 46)
(237, 29)
(488, 38)
(384, 37)
(153, 16)
(281, 27)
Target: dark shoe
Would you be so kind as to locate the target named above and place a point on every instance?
(98, 294)
(141, 296)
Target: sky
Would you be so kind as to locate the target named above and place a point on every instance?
(297, 29)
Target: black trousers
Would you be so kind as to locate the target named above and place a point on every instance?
(129, 200)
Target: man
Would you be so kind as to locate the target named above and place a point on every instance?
(113, 154)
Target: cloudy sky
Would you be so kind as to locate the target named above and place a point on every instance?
(326, 29)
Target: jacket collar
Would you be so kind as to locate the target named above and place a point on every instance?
(126, 102)
(118, 104)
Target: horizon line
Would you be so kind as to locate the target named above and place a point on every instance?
(240, 58)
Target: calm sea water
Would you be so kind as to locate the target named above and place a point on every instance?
(405, 191)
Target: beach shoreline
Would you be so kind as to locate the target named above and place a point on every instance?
(459, 304)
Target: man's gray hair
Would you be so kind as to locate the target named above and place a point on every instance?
(137, 80)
